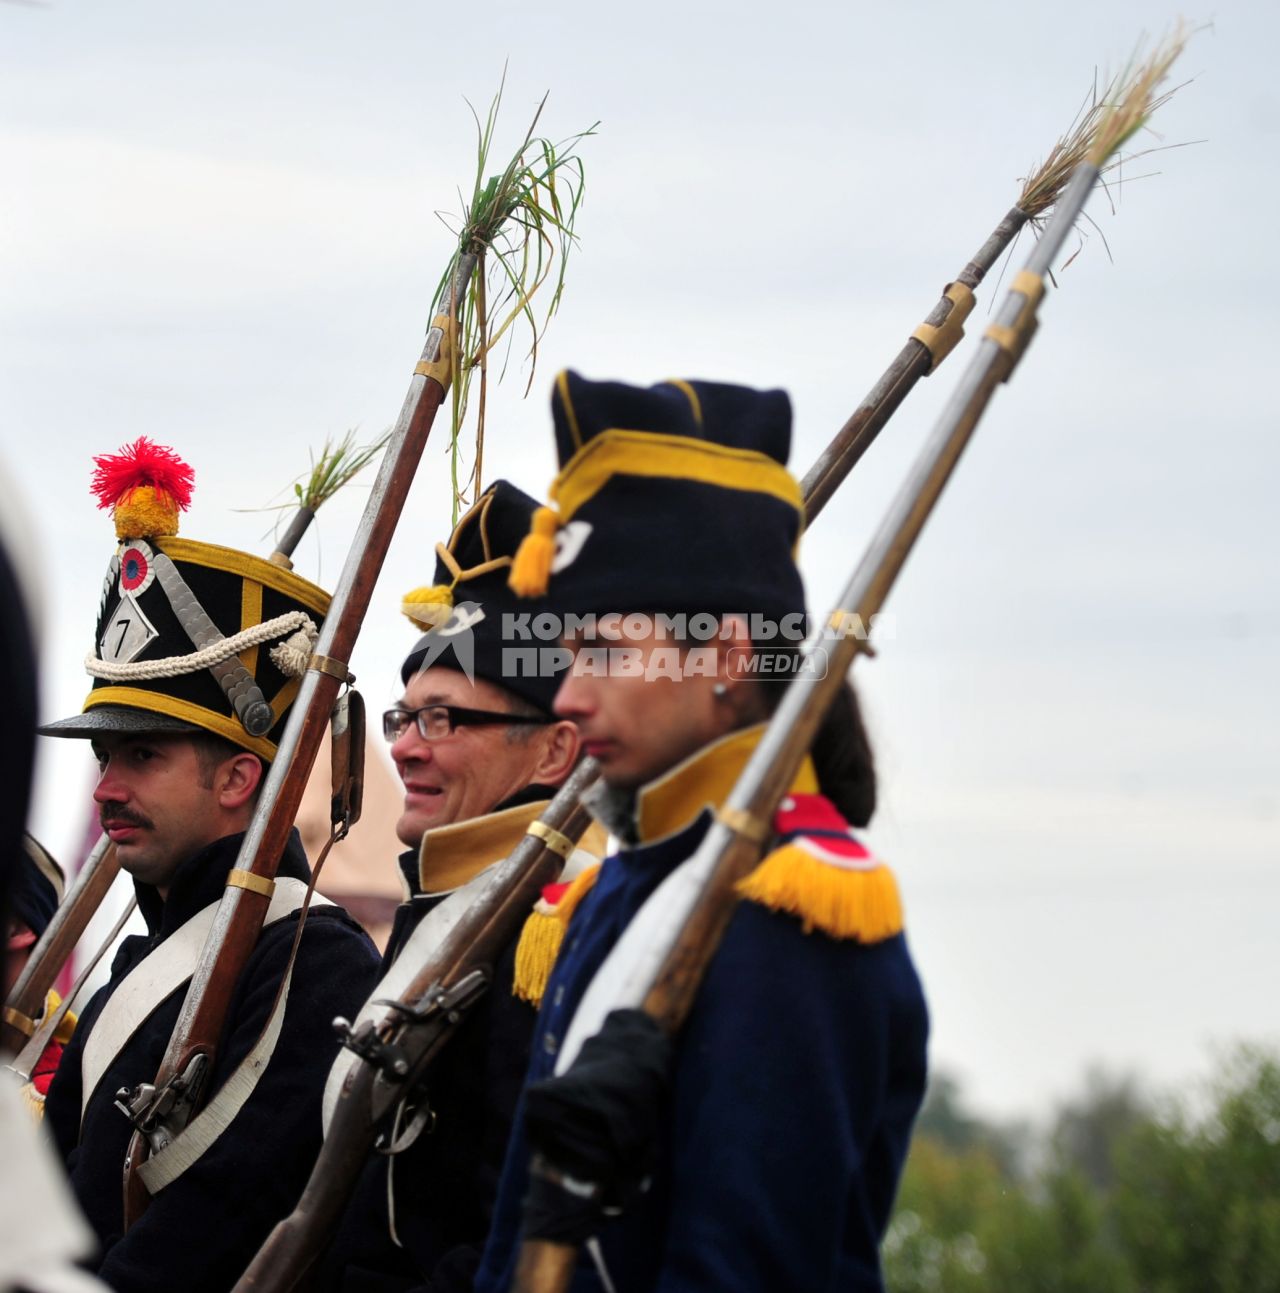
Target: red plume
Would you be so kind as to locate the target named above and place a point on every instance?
(144, 462)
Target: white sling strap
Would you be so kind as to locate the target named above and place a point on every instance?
(158, 975)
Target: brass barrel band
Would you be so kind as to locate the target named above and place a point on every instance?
(1015, 338)
(942, 338)
(238, 879)
(19, 1021)
(744, 824)
(557, 842)
(333, 667)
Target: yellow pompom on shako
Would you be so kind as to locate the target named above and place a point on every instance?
(428, 607)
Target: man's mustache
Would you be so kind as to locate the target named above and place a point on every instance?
(121, 815)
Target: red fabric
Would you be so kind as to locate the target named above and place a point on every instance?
(142, 463)
(46, 1067)
(552, 893)
(817, 816)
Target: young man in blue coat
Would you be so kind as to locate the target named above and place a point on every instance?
(195, 661)
(762, 1148)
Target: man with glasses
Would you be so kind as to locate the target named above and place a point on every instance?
(479, 754)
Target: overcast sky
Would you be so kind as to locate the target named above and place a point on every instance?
(217, 229)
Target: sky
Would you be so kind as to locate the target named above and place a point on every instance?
(219, 229)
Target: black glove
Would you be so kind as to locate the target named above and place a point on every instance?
(594, 1129)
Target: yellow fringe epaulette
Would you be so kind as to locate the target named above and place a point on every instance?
(543, 933)
(822, 875)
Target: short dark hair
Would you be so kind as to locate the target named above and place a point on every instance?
(212, 751)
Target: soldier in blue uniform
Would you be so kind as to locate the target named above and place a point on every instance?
(181, 766)
(762, 1148)
(480, 754)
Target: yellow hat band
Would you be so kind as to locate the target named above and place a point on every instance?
(669, 457)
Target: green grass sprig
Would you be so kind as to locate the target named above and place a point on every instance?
(339, 462)
(519, 224)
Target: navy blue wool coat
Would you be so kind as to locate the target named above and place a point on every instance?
(796, 1079)
(202, 1231)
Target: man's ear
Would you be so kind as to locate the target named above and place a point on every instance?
(559, 743)
(237, 780)
(741, 693)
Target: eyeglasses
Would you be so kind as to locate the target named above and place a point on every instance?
(435, 722)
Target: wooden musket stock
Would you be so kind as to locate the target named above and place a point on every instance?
(666, 981)
(238, 921)
(369, 1096)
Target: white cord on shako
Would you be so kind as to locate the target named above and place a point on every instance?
(290, 656)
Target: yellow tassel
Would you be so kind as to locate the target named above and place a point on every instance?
(535, 955)
(66, 1029)
(143, 513)
(33, 1101)
(542, 935)
(861, 904)
(531, 569)
(428, 607)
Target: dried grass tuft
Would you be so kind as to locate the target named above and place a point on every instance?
(519, 224)
(1107, 120)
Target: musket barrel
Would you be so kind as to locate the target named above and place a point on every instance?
(298, 526)
(661, 967)
(912, 362)
(240, 913)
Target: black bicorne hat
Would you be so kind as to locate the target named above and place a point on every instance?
(672, 498)
(468, 612)
(189, 635)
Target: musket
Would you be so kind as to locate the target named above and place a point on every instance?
(943, 327)
(396, 1050)
(93, 880)
(286, 1253)
(525, 193)
(24, 1063)
(658, 963)
(238, 921)
(24, 1007)
(337, 464)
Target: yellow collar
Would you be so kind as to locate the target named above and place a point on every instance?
(704, 780)
(451, 855)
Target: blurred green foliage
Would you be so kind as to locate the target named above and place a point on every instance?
(1123, 1195)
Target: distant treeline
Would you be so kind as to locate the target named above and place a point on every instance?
(1123, 1194)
